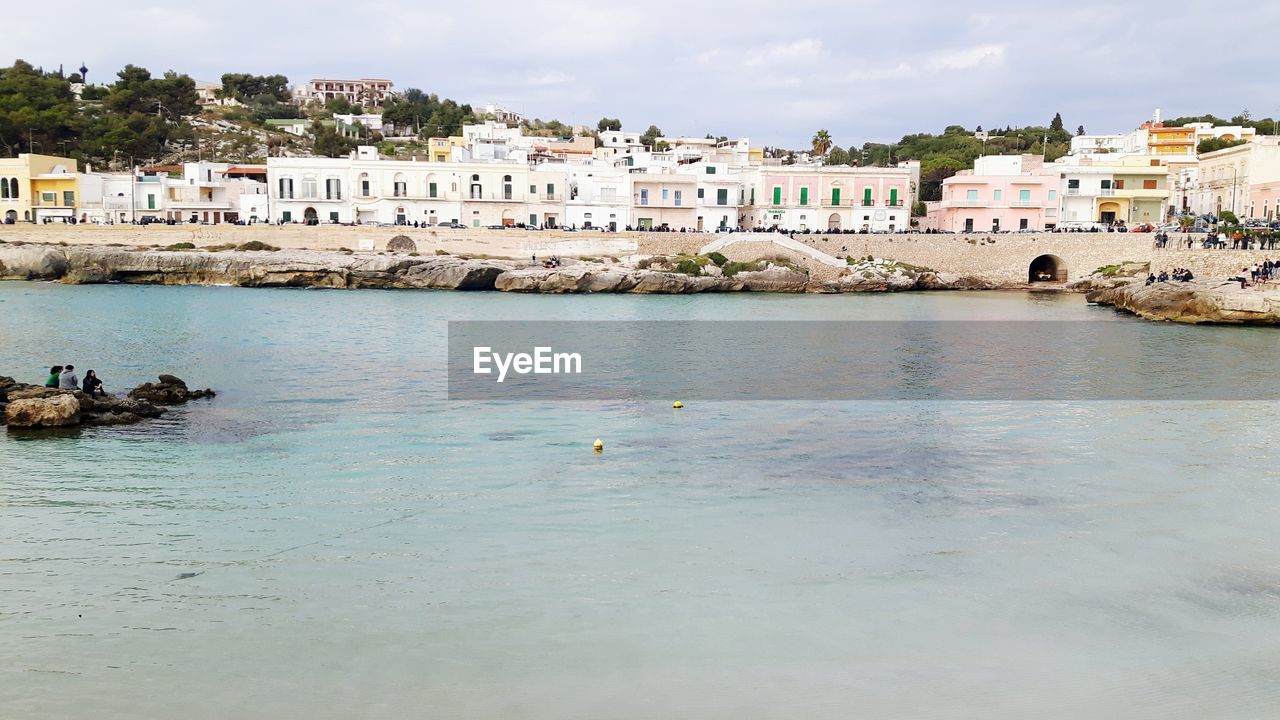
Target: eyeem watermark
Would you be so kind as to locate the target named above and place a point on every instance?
(543, 361)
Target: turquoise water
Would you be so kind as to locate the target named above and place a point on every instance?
(333, 538)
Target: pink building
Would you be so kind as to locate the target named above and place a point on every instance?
(821, 198)
(1001, 193)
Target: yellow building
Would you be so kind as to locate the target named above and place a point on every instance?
(1170, 141)
(440, 149)
(36, 188)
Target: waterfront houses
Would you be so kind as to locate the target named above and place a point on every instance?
(1002, 192)
(812, 198)
(1244, 179)
(38, 188)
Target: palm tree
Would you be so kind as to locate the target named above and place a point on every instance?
(821, 142)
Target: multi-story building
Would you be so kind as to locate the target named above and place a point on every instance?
(1002, 192)
(819, 198)
(367, 189)
(365, 92)
(719, 195)
(1127, 189)
(661, 198)
(1244, 179)
(38, 188)
(617, 144)
(194, 192)
(599, 196)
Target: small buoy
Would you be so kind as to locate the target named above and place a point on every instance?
(677, 404)
(598, 445)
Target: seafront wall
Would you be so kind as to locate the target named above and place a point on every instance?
(999, 259)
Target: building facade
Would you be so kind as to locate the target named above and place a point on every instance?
(365, 92)
(812, 198)
(1002, 192)
(38, 188)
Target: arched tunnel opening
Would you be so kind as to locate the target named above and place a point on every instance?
(1047, 269)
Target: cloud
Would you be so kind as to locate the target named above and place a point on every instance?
(803, 50)
(548, 77)
(967, 58)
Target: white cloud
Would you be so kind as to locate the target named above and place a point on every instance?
(803, 50)
(967, 58)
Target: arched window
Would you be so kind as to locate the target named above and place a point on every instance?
(400, 188)
(506, 187)
(477, 190)
(13, 188)
(433, 188)
(4, 188)
(364, 185)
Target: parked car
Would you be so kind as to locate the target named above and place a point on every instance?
(1143, 228)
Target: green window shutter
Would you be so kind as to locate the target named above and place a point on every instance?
(722, 197)
(431, 189)
(533, 219)
(893, 197)
(551, 190)
(286, 216)
(699, 193)
(711, 170)
(777, 196)
(804, 196)
(866, 196)
(835, 196)
(151, 202)
(68, 197)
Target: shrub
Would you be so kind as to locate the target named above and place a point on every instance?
(346, 250)
(181, 246)
(442, 252)
(220, 248)
(717, 258)
(689, 266)
(256, 245)
(649, 262)
(733, 268)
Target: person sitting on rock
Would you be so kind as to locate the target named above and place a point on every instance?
(52, 380)
(68, 380)
(92, 385)
(1151, 279)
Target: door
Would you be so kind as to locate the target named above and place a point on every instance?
(968, 224)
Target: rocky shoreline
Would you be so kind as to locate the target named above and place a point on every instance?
(1196, 302)
(34, 406)
(307, 268)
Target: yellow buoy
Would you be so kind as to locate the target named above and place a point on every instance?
(598, 445)
(677, 404)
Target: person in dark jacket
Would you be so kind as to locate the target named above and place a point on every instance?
(52, 380)
(92, 385)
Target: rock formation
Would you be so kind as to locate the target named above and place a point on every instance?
(1193, 302)
(32, 406)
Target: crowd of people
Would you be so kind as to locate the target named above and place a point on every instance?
(1176, 275)
(63, 377)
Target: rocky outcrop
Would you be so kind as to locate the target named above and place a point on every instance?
(1111, 276)
(36, 412)
(1193, 302)
(31, 406)
(303, 268)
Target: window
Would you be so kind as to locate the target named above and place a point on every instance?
(48, 198)
(971, 195)
(151, 201)
(1053, 195)
(400, 188)
(333, 216)
(835, 196)
(677, 197)
(332, 189)
(286, 216)
(866, 196)
(4, 188)
(533, 189)
(286, 188)
(551, 191)
(711, 170)
(533, 219)
(700, 195)
(1024, 196)
(1106, 184)
(722, 196)
(997, 194)
(893, 197)
(309, 186)
(1073, 184)
(777, 195)
(644, 197)
(804, 196)
(1148, 184)
(1118, 184)
(664, 193)
(13, 188)
(1023, 224)
(431, 189)
(69, 198)
(364, 184)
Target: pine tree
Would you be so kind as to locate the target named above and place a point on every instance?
(1080, 130)
(1056, 124)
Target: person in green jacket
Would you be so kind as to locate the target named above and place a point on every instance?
(54, 373)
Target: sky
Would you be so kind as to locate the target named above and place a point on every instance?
(864, 70)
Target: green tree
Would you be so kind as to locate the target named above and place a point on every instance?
(246, 87)
(338, 105)
(328, 142)
(838, 156)
(651, 136)
(608, 124)
(821, 142)
(1209, 145)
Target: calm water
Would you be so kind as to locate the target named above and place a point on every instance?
(333, 538)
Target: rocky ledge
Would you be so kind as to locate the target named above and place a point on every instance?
(33, 406)
(308, 268)
(1194, 302)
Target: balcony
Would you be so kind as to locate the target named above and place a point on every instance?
(1107, 192)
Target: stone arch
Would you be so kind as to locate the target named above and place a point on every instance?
(1047, 268)
(310, 215)
(833, 222)
(11, 216)
(402, 243)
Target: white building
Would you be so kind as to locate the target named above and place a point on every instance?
(365, 92)
(599, 196)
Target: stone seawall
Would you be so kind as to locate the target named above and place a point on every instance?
(997, 259)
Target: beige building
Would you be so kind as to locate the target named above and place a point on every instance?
(661, 199)
(1244, 179)
(38, 188)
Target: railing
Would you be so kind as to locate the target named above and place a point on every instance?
(1106, 192)
(1073, 191)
